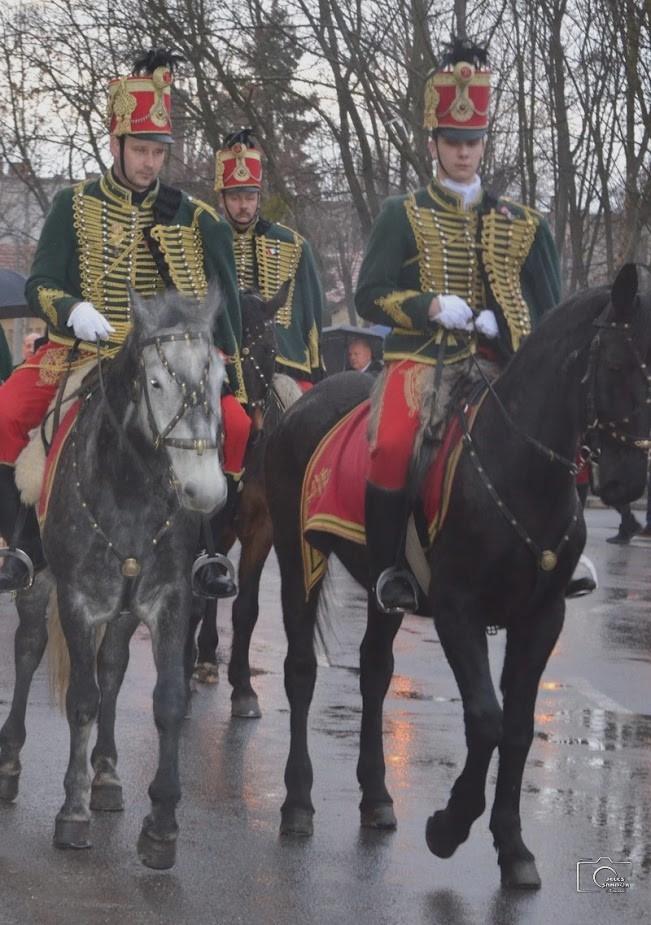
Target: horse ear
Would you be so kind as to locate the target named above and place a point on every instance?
(278, 300)
(623, 292)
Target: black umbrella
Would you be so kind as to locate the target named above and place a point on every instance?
(13, 303)
(335, 340)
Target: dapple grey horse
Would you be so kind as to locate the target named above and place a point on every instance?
(139, 468)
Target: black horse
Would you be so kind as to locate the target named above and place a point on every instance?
(512, 537)
(139, 468)
(269, 396)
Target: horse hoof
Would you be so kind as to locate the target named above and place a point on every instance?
(520, 874)
(297, 822)
(106, 798)
(206, 673)
(442, 839)
(245, 707)
(9, 787)
(379, 817)
(72, 833)
(157, 853)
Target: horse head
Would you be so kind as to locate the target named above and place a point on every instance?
(619, 379)
(259, 342)
(177, 389)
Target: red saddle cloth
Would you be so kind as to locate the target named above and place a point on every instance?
(334, 485)
(60, 436)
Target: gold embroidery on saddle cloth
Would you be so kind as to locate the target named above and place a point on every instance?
(54, 363)
(46, 298)
(182, 248)
(113, 255)
(506, 241)
(278, 261)
(414, 380)
(317, 485)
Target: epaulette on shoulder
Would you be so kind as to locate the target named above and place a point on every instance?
(79, 187)
(518, 209)
(201, 206)
(296, 236)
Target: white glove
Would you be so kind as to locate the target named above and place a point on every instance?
(455, 313)
(486, 323)
(88, 323)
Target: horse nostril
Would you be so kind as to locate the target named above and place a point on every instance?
(190, 490)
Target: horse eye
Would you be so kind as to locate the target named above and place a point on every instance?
(155, 384)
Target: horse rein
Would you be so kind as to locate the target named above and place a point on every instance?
(546, 451)
(547, 559)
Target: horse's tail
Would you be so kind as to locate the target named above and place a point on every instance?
(58, 658)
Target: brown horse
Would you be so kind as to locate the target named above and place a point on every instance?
(269, 396)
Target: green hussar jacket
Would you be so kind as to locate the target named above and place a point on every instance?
(93, 248)
(266, 256)
(425, 244)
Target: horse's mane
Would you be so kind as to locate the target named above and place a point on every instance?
(171, 309)
(562, 330)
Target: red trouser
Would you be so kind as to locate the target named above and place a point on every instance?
(27, 393)
(237, 427)
(398, 423)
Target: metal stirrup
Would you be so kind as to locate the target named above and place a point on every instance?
(8, 552)
(213, 559)
(395, 574)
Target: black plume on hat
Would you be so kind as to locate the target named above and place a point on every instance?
(459, 49)
(244, 136)
(157, 57)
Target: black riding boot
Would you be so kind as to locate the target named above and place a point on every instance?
(628, 527)
(386, 516)
(19, 527)
(213, 579)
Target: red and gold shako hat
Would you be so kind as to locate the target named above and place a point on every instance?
(238, 164)
(457, 94)
(141, 104)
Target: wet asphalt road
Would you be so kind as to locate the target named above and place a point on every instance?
(585, 794)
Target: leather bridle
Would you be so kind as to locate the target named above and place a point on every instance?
(615, 430)
(190, 397)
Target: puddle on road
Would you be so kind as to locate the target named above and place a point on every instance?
(593, 744)
(405, 687)
(600, 730)
(339, 722)
(613, 595)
